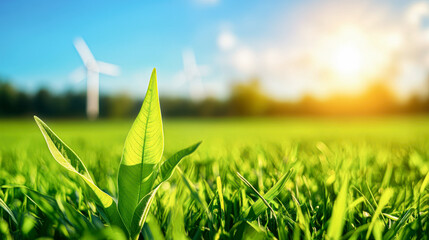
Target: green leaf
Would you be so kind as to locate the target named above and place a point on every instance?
(141, 213)
(302, 221)
(338, 213)
(58, 211)
(152, 229)
(195, 195)
(384, 200)
(424, 184)
(142, 153)
(257, 193)
(166, 169)
(260, 206)
(54, 208)
(65, 156)
(176, 223)
(402, 221)
(62, 153)
(7, 209)
(221, 200)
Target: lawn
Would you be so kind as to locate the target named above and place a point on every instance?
(354, 178)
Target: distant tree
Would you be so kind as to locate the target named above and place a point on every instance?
(247, 99)
(378, 99)
(76, 104)
(23, 104)
(211, 107)
(43, 103)
(119, 106)
(178, 107)
(8, 99)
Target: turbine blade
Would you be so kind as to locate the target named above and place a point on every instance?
(84, 52)
(179, 79)
(108, 68)
(78, 75)
(189, 62)
(197, 92)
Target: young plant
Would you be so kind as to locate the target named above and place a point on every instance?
(141, 171)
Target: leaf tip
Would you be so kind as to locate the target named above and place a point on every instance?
(39, 121)
(198, 144)
(153, 79)
(153, 75)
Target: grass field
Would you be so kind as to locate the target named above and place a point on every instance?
(359, 179)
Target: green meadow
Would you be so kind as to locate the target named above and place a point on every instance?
(361, 178)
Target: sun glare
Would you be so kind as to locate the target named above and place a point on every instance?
(351, 56)
(347, 60)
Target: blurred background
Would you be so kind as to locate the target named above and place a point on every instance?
(214, 58)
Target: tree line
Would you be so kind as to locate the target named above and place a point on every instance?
(246, 99)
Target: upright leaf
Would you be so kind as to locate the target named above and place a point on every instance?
(142, 152)
(65, 156)
(221, 200)
(338, 213)
(424, 184)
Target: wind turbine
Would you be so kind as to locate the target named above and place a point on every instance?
(93, 69)
(192, 73)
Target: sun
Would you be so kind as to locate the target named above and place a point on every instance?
(350, 57)
(347, 60)
(348, 53)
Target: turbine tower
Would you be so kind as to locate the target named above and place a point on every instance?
(93, 69)
(193, 73)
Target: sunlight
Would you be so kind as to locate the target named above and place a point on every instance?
(347, 60)
(351, 56)
(348, 55)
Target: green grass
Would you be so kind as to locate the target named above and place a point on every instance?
(369, 173)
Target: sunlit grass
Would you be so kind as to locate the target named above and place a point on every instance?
(376, 155)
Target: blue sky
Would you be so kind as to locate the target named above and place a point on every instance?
(36, 44)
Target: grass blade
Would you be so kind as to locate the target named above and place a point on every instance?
(221, 200)
(195, 194)
(424, 184)
(260, 206)
(387, 194)
(257, 193)
(338, 213)
(7, 209)
(152, 229)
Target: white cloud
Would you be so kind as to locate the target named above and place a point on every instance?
(244, 60)
(395, 46)
(226, 40)
(411, 78)
(416, 12)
